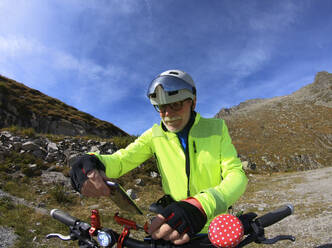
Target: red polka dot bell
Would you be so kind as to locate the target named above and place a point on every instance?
(225, 231)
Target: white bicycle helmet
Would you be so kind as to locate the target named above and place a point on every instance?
(171, 86)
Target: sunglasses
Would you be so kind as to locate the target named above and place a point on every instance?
(175, 106)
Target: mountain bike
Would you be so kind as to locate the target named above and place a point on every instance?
(93, 235)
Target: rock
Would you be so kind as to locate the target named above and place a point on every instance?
(72, 158)
(7, 236)
(51, 157)
(139, 182)
(33, 166)
(245, 165)
(94, 149)
(153, 174)
(5, 136)
(30, 146)
(41, 205)
(49, 177)
(52, 147)
(17, 146)
(132, 194)
(40, 153)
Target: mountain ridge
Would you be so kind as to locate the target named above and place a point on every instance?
(292, 132)
(29, 108)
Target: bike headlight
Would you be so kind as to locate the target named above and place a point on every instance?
(104, 239)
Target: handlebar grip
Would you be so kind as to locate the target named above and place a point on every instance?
(63, 217)
(275, 216)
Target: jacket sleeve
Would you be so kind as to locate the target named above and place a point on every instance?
(218, 199)
(124, 160)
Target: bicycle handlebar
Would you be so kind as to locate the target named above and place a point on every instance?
(63, 217)
(80, 230)
(275, 216)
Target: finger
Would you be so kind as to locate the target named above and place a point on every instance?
(174, 235)
(162, 232)
(184, 238)
(88, 189)
(96, 179)
(156, 223)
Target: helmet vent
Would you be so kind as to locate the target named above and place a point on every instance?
(171, 93)
(174, 72)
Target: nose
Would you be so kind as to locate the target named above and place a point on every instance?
(167, 111)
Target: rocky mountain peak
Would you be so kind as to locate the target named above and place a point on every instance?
(323, 79)
(319, 92)
(287, 132)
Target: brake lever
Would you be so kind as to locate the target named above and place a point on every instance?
(59, 236)
(277, 238)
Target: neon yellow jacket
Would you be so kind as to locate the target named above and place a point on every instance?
(217, 179)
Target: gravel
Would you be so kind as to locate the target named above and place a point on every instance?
(311, 195)
(7, 237)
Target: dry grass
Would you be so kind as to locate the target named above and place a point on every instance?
(29, 102)
(279, 134)
(32, 227)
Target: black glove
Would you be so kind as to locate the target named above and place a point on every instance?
(81, 167)
(184, 217)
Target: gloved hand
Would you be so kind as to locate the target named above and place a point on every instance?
(178, 222)
(81, 168)
(184, 217)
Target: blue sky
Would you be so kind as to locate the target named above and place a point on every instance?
(100, 55)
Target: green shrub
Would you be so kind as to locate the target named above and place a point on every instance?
(60, 194)
(30, 132)
(123, 141)
(3, 88)
(6, 203)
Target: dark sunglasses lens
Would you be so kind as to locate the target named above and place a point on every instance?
(176, 105)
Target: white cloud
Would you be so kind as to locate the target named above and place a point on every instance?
(259, 34)
(249, 61)
(30, 57)
(14, 46)
(275, 19)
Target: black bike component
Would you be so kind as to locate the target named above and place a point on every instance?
(278, 238)
(325, 246)
(246, 220)
(79, 230)
(275, 216)
(256, 227)
(63, 217)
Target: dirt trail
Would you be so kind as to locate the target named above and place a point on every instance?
(310, 192)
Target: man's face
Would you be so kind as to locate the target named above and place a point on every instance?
(176, 119)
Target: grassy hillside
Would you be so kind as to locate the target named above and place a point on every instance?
(285, 133)
(26, 107)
